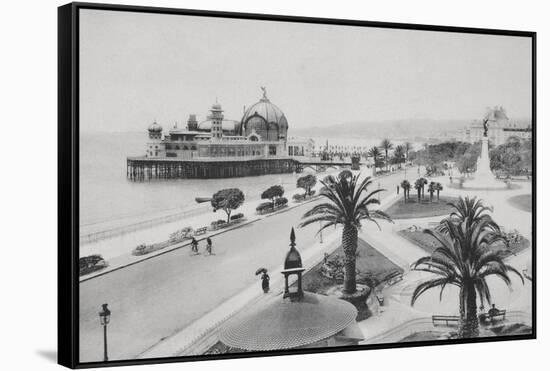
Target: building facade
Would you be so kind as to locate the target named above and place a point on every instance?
(499, 128)
(301, 147)
(218, 147)
(261, 133)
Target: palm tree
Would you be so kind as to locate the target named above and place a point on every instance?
(431, 190)
(472, 211)
(438, 188)
(399, 155)
(418, 185)
(348, 204)
(374, 152)
(465, 258)
(406, 185)
(386, 145)
(423, 182)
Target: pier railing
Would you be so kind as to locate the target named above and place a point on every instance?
(131, 227)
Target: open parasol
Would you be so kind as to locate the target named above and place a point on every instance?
(260, 271)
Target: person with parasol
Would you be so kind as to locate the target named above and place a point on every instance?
(265, 279)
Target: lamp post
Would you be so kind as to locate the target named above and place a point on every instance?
(104, 317)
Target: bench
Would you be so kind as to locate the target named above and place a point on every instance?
(394, 278)
(486, 318)
(200, 231)
(447, 320)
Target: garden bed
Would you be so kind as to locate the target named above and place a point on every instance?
(429, 243)
(522, 202)
(372, 267)
(413, 209)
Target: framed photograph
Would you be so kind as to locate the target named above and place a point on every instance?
(245, 185)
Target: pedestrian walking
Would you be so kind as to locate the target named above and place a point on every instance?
(194, 246)
(209, 246)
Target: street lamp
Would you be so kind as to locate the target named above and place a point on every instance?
(104, 317)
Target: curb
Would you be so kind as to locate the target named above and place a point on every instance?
(177, 246)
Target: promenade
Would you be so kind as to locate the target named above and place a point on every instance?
(173, 303)
(157, 298)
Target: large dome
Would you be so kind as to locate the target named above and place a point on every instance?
(265, 119)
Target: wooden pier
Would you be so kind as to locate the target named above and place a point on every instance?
(147, 168)
(143, 168)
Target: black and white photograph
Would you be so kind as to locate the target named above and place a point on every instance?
(250, 185)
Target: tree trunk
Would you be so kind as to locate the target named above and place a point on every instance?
(349, 244)
(431, 196)
(461, 308)
(419, 191)
(405, 194)
(228, 212)
(470, 328)
(438, 196)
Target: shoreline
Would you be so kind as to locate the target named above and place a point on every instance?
(124, 257)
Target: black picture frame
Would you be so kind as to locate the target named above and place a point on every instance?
(68, 177)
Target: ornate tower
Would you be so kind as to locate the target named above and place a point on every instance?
(155, 131)
(192, 123)
(293, 266)
(217, 117)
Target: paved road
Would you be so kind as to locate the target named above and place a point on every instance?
(159, 297)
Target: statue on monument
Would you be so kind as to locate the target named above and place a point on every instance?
(485, 127)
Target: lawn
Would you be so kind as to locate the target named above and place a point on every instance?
(522, 202)
(372, 269)
(414, 209)
(429, 244)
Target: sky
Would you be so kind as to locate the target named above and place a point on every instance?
(136, 68)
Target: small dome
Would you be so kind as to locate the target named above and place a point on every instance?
(154, 127)
(293, 258)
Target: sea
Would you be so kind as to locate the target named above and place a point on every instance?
(107, 195)
(108, 200)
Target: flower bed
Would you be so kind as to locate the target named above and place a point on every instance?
(144, 249)
(372, 268)
(299, 197)
(516, 242)
(267, 207)
(90, 264)
(220, 223)
(181, 235)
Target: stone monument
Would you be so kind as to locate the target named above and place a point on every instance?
(483, 177)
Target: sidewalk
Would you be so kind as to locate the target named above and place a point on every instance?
(128, 259)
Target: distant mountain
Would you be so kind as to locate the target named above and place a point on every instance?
(381, 129)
